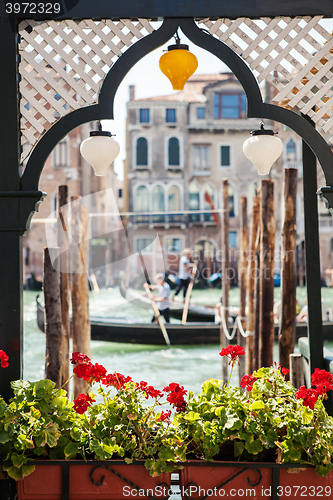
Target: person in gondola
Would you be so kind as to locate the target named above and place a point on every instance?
(184, 273)
(163, 298)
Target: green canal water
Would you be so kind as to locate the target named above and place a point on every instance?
(158, 365)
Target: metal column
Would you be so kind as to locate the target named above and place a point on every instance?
(312, 257)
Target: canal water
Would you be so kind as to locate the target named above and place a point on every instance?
(190, 366)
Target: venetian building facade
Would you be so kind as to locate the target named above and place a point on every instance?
(180, 147)
(66, 166)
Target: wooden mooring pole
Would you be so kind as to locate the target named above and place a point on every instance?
(79, 285)
(287, 329)
(242, 279)
(267, 247)
(53, 327)
(251, 278)
(64, 244)
(225, 274)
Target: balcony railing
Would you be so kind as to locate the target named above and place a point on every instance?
(172, 217)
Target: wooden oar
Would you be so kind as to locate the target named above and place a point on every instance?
(188, 294)
(153, 303)
(158, 316)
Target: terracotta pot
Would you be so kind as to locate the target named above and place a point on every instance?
(109, 480)
(258, 481)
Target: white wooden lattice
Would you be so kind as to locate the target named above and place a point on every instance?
(63, 65)
(293, 54)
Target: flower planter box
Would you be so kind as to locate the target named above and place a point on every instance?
(78, 480)
(257, 481)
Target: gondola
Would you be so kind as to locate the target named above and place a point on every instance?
(196, 312)
(111, 330)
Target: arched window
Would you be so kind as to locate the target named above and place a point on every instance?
(142, 203)
(158, 203)
(173, 152)
(209, 204)
(194, 201)
(231, 201)
(142, 152)
(291, 151)
(174, 203)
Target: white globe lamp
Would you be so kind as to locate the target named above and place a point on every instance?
(100, 150)
(263, 149)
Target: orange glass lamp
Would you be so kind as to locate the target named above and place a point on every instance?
(178, 64)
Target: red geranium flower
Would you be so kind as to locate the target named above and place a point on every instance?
(116, 380)
(233, 352)
(78, 358)
(309, 396)
(149, 390)
(323, 381)
(82, 403)
(89, 372)
(284, 371)
(176, 396)
(248, 381)
(3, 359)
(165, 415)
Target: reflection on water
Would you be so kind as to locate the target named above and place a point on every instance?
(158, 365)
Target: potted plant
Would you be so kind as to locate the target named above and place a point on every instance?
(255, 435)
(121, 444)
(118, 447)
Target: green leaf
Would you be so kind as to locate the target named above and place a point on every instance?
(4, 436)
(48, 436)
(17, 385)
(238, 448)
(191, 416)
(294, 454)
(254, 447)
(307, 415)
(234, 423)
(19, 473)
(18, 460)
(257, 405)
(167, 454)
(71, 450)
(43, 388)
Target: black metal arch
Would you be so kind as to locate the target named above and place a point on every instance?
(256, 107)
(104, 108)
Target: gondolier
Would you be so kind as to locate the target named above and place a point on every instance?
(163, 299)
(184, 273)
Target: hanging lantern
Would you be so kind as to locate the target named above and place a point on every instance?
(178, 64)
(262, 149)
(100, 150)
